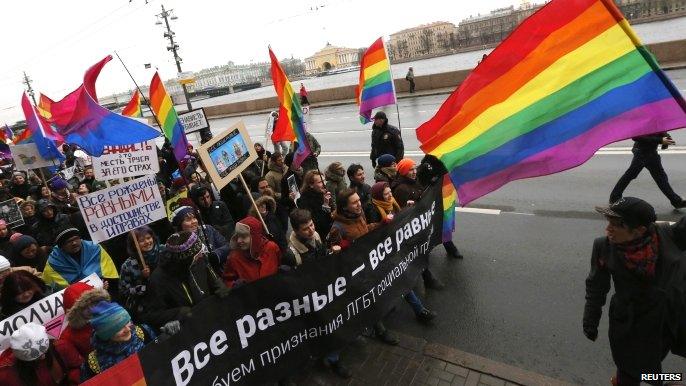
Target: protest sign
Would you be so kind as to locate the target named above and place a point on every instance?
(228, 154)
(194, 120)
(26, 156)
(173, 202)
(293, 187)
(45, 311)
(126, 161)
(10, 212)
(67, 173)
(121, 208)
(265, 330)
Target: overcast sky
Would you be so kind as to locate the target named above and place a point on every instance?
(56, 41)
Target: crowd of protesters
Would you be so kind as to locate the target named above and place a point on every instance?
(211, 242)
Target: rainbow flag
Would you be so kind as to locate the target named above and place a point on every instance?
(80, 120)
(6, 134)
(449, 200)
(133, 108)
(36, 125)
(163, 108)
(570, 79)
(290, 110)
(376, 87)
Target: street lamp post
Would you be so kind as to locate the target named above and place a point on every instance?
(205, 134)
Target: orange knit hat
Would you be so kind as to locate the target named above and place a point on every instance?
(404, 166)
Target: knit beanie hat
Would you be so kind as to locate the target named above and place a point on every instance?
(29, 342)
(58, 184)
(65, 235)
(385, 160)
(108, 319)
(404, 166)
(186, 250)
(4, 263)
(20, 242)
(15, 237)
(179, 214)
(377, 190)
(73, 293)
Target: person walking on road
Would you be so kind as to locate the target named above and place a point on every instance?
(410, 78)
(645, 156)
(303, 96)
(386, 139)
(647, 312)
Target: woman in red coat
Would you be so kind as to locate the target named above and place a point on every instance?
(252, 255)
(34, 360)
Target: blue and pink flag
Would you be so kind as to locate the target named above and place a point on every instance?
(35, 124)
(80, 120)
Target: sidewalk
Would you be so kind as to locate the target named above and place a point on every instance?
(416, 362)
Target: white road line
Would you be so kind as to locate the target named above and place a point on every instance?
(415, 153)
(358, 269)
(478, 210)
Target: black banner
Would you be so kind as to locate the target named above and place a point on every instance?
(265, 330)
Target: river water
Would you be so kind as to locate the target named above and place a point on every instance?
(656, 32)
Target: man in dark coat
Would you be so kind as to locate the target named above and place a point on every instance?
(645, 156)
(647, 313)
(213, 212)
(317, 200)
(386, 139)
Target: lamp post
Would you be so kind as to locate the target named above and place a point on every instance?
(166, 15)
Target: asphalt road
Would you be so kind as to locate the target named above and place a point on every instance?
(518, 295)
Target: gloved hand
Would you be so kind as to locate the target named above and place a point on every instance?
(238, 283)
(223, 292)
(591, 333)
(171, 328)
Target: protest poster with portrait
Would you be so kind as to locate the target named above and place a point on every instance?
(228, 154)
(10, 212)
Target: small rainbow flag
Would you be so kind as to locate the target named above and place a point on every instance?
(6, 134)
(570, 79)
(449, 201)
(289, 108)
(376, 87)
(133, 108)
(162, 106)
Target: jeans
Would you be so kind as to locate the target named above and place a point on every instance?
(413, 300)
(651, 161)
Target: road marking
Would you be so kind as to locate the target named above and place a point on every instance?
(478, 210)
(419, 153)
(358, 269)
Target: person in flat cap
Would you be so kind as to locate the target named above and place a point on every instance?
(33, 359)
(386, 139)
(114, 338)
(73, 259)
(645, 260)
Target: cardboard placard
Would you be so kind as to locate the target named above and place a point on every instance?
(194, 120)
(228, 154)
(133, 160)
(121, 208)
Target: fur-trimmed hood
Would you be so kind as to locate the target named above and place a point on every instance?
(266, 200)
(80, 314)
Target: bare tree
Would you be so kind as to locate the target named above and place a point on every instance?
(426, 41)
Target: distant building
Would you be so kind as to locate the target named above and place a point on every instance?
(648, 10)
(331, 57)
(492, 28)
(425, 39)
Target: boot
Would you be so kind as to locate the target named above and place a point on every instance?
(430, 281)
(426, 316)
(452, 251)
(339, 369)
(384, 335)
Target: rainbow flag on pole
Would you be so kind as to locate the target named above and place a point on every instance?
(449, 201)
(376, 87)
(162, 106)
(570, 79)
(133, 108)
(290, 110)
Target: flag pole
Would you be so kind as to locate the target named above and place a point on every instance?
(141, 92)
(390, 68)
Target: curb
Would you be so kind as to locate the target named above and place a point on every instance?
(487, 366)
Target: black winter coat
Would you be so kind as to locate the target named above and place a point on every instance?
(321, 215)
(218, 216)
(168, 293)
(405, 189)
(386, 140)
(648, 143)
(46, 230)
(647, 319)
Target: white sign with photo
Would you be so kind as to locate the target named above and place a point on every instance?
(121, 208)
(134, 160)
(9, 211)
(26, 157)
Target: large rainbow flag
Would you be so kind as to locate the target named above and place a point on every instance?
(80, 120)
(133, 108)
(162, 106)
(376, 87)
(570, 79)
(290, 110)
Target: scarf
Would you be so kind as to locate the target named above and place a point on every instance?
(72, 270)
(386, 207)
(152, 255)
(110, 353)
(639, 255)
